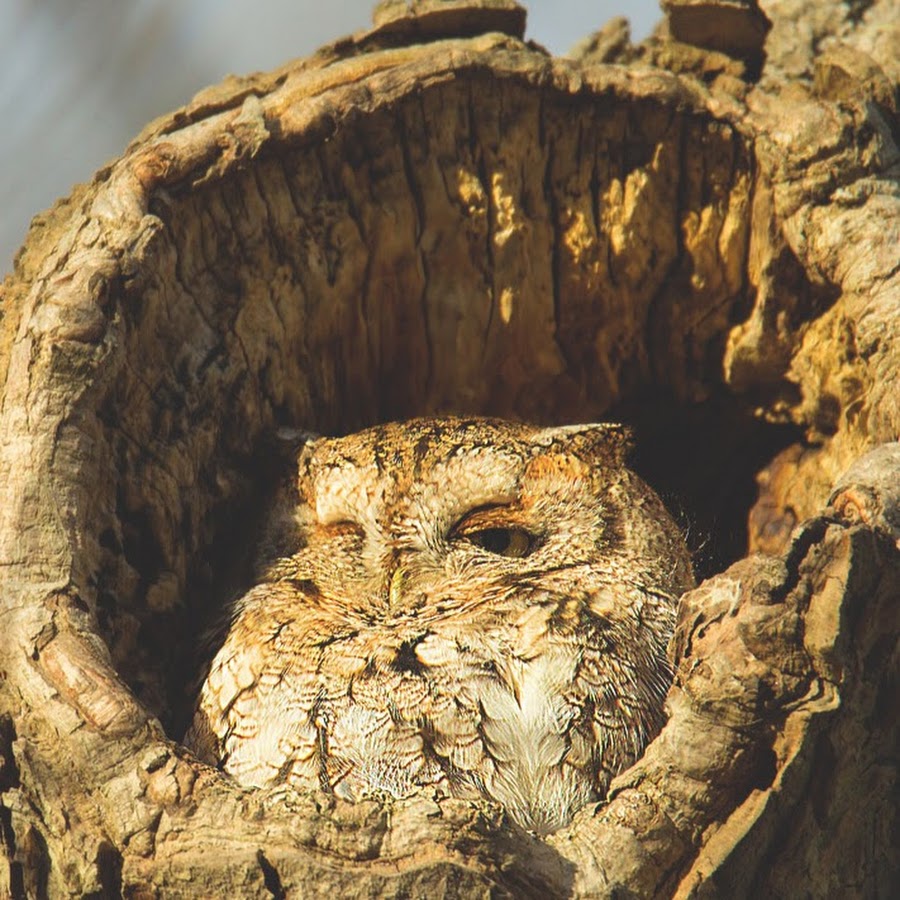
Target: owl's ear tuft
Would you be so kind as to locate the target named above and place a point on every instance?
(294, 438)
(289, 449)
(287, 443)
(607, 439)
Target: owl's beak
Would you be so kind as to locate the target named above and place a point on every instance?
(395, 588)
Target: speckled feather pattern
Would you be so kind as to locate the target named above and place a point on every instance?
(388, 646)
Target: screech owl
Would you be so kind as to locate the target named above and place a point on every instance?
(469, 604)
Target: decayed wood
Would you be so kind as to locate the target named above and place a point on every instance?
(429, 218)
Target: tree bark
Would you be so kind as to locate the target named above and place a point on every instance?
(698, 234)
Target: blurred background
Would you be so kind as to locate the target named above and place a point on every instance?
(80, 78)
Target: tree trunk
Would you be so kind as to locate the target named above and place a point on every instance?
(436, 216)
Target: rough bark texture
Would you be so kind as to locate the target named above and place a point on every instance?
(436, 216)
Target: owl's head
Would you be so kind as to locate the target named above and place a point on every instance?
(462, 511)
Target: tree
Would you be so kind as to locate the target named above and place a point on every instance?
(435, 215)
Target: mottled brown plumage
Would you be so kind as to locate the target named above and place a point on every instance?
(469, 604)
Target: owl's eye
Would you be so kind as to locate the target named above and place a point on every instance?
(511, 542)
(344, 527)
(496, 529)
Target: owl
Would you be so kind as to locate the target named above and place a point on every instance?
(466, 605)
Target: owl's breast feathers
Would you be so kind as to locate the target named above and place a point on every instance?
(523, 703)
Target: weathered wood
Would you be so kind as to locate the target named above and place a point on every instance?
(422, 219)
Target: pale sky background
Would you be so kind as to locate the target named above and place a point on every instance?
(80, 78)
